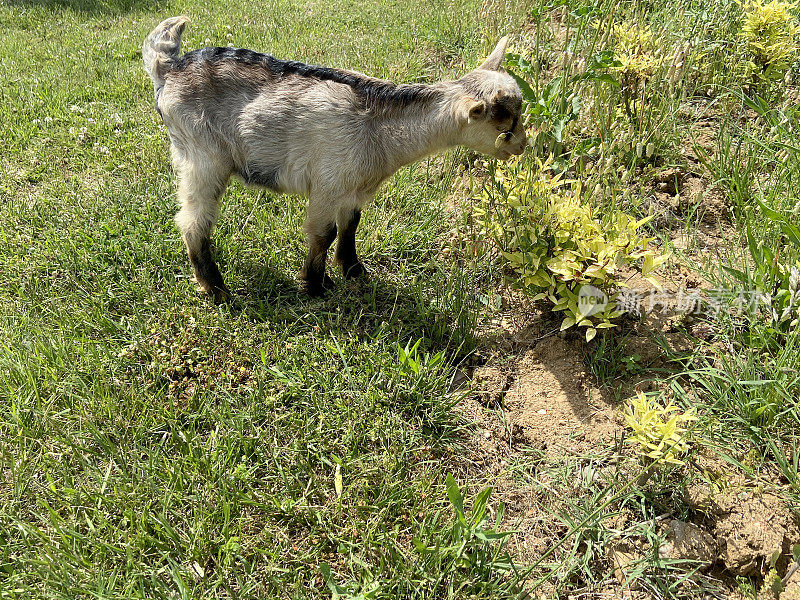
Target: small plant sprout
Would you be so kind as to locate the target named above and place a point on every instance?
(474, 541)
(412, 361)
(658, 431)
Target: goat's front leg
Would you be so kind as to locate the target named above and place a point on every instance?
(199, 189)
(347, 221)
(313, 279)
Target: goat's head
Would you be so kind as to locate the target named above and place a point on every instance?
(491, 108)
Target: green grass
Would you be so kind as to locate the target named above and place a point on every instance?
(153, 445)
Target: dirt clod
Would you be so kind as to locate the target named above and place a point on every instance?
(491, 384)
(748, 527)
(690, 542)
(791, 590)
(623, 556)
(752, 530)
(668, 180)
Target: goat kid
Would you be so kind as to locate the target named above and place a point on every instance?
(329, 134)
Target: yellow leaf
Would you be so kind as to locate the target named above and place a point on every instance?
(337, 480)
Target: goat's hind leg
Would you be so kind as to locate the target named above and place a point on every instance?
(200, 187)
(347, 221)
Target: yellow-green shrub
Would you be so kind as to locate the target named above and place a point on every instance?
(637, 60)
(636, 52)
(769, 31)
(658, 431)
(556, 240)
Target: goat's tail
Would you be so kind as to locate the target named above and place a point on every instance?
(161, 47)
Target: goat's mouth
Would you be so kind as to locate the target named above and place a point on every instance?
(506, 138)
(506, 153)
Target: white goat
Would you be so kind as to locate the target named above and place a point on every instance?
(330, 134)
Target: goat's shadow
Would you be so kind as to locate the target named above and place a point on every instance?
(362, 306)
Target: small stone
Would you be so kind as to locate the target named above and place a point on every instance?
(690, 542)
(699, 497)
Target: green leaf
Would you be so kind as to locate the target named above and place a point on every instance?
(737, 274)
(421, 548)
(524, 86)
(479, 506)
(491, 536)
(791, 232)
(769, 213)
(454, 494)
(755, 251)
(336, 590)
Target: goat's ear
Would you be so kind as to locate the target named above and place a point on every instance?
(476, 110)
(495, 59)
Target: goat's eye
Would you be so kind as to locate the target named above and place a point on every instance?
(501, 113)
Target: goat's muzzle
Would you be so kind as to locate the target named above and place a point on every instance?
(509, 143)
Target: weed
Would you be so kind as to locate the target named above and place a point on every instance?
(769, 30)
(659, 431)
(467, 557)
(608, 360)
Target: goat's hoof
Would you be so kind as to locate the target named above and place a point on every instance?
(221, 295)
(316, 289)
(354, 270)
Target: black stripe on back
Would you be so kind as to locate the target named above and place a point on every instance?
(373, 91)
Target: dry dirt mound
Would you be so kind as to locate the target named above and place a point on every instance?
(548, 401)
(748, 527)
(552, 403)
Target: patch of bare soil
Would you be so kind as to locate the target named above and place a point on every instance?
(536, 396)
(552, 404)
(679, 192)
(534, 390)
(748, 526)
(688, 193)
